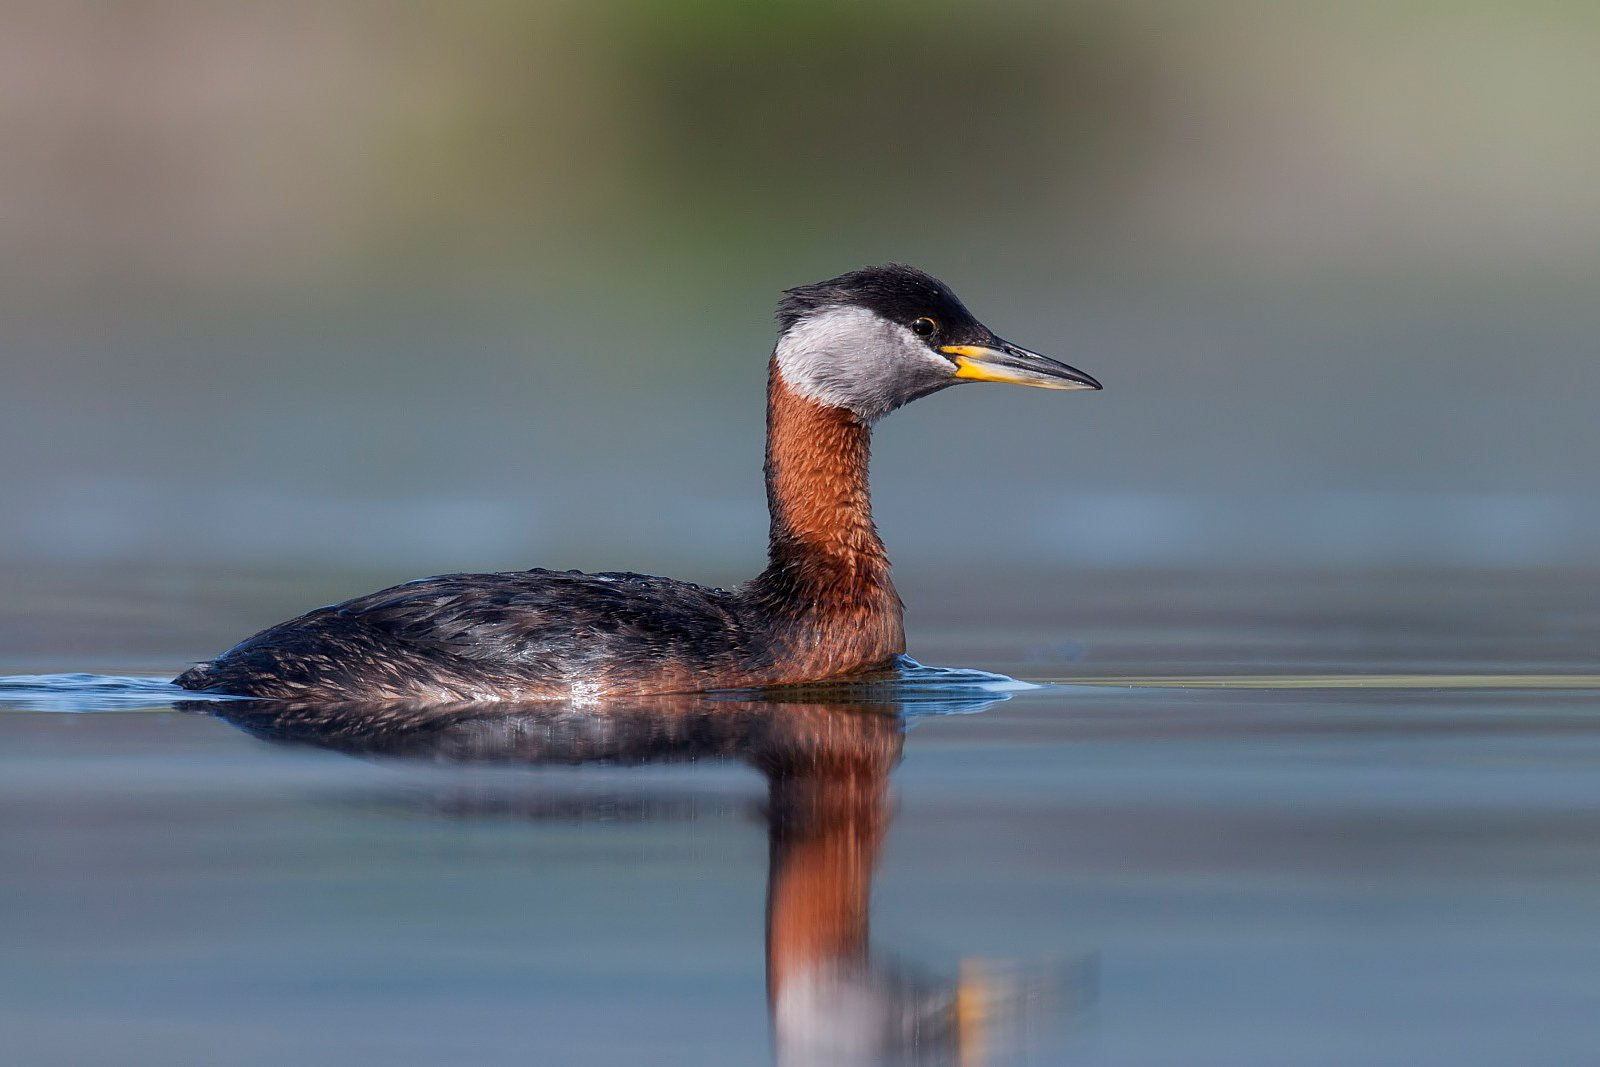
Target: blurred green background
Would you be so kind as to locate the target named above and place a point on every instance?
(419, 287)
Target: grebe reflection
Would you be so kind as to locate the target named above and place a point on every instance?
(831, 998)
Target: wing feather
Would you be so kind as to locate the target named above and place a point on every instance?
(526, 615)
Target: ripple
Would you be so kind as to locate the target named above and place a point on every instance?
(913, 688)
(91, 692)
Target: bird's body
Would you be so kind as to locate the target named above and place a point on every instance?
(522, 635)
(824, 607)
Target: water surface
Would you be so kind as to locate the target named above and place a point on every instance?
(1342, 866)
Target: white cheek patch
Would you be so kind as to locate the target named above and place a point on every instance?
(848, 357)
(813, 353)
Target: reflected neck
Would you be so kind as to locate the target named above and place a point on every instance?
(827, 813)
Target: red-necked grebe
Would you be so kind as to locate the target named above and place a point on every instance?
(849, 351)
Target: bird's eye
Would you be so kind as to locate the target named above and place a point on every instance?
(924, 327)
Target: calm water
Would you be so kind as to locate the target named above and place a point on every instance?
(1313, 824)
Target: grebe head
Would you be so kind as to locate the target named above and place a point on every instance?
(876, 338)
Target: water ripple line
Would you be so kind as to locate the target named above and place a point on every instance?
(913, 688)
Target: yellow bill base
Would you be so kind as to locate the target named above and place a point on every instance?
(972, 368)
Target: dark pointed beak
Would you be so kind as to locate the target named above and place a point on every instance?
(1002, 361)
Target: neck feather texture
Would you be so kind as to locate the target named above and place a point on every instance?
(825, 556)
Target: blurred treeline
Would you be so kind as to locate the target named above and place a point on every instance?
(476, 282)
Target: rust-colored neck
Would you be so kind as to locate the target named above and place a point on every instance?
(823, 546)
